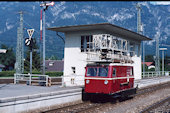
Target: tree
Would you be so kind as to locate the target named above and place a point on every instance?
(149, 58)
(8, 58)
(167, 61)
(35, 58)
(53, 57)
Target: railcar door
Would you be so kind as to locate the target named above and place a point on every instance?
(130, 76)
(122, 78)
(114, 74)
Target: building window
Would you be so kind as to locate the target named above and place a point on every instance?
(73, 69)
(132, 49)
(137, 50)
(119, 45)
(51, 63)
(86, 43)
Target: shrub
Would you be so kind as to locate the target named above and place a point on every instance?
(11, 73)
(54, 74)
(7, 73)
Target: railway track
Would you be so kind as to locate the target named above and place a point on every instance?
(86, 107)
(152, 88)
(162, 106)
(75, 108)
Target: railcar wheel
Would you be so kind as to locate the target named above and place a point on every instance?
(123, 96)
(85, 96)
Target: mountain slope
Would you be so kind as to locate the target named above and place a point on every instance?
(155, 18)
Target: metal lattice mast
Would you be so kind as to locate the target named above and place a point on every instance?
(163, 49)
(20, 47)
(157, 63)
(139, 19)
(139, 30)
(41, 40)
(44, 42)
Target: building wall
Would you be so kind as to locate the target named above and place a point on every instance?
(73, 57)
(137, 67)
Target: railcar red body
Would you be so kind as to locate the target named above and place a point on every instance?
(109, 80)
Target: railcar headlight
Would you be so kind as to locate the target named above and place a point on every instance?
(106, 82)
(87, 81)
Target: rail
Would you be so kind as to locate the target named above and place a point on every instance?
(29, 78)
(150, 74)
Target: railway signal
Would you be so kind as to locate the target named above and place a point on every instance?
(29, 42)
(47, 4)
(3, 50)
(30, 32)
(45, 7)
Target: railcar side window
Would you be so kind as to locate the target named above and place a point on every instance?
(91, 71)
(131, 71)
(114, 72)
(103, 72)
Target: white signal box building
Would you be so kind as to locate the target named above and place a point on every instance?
(103, 42)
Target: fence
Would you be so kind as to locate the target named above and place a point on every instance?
(150, 74)
(56, 80)
(29, 78)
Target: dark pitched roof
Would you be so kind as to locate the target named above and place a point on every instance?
(54, 65)
(113, 29)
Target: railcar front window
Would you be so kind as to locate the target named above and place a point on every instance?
(103, 72)
(91, 71)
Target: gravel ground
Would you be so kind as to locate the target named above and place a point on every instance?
(165, 108)
(136, 104)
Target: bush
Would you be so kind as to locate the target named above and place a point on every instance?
(7, 74)
(33, 72)
(51, 74)
(54, 74)
(11, 73)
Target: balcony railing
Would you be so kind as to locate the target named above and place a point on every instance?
(105, 47)
(110, 56)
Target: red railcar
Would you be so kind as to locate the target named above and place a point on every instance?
(108, 79)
